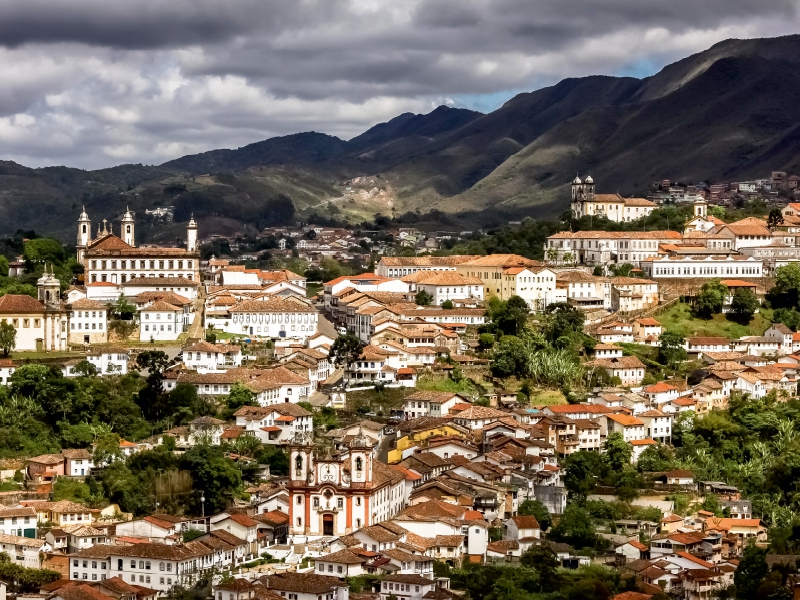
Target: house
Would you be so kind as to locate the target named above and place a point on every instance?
(783, 335)
(639, 446)
(629, 369)
(646, 330)
(307, 586)
(44, 467)
(680, 477)
(630, 427)
(20, 521)
(205, 357)
(22, 551)
(77, 463)
(431, 404)
(344, 563)
(160, 321)
(407, 587)
(523, 529)
(633, 550)
(111, 360)
(88, 322)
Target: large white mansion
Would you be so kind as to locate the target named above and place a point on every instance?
(611, 206)
(114, 265)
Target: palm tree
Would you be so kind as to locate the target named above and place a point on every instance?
(552, 254)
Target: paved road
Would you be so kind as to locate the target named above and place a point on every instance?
(196, 328)
(325, 327)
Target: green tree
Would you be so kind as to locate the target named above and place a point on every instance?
(3, 266)
(616, 452)
(44, 250)
(485, 341)
(345, 349)
(238, 397)
(152, 399)
(629, 482)
(744, 305)
(536, 509)
(447, 304)
(581, 471)
(423, 298)
(576, 527)
(711, 298)
(774, 219)
(670, 349)
(122, 309)
(546, 564)
(8, 337)
(751, 572)
(213, 474)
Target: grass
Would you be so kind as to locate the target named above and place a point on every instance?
(312, 289)
(445, 384)
(10, 486)
(70, 489)
(38, 355)
(547, 397)
(679, 318)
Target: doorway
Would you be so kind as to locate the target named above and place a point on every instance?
(327, 524)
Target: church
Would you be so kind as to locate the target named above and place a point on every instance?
(113, 264)
(336, 495)
(611, 206)
(41, 324)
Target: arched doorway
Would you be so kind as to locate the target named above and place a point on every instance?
(327, 524)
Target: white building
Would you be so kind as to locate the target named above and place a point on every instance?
(88, 322)
(109, 361)
(274, 424)
(702, 266)
(611, 206)
(22, 551)
(160, 321)
(206, 357)
(447, 285)
(290, 320)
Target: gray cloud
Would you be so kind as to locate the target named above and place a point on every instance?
(97, 82)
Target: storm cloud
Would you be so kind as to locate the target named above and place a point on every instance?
(93, 83)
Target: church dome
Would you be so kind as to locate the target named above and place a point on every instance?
(84, 216)
(577, 180)
(128, 216)
(588, 179)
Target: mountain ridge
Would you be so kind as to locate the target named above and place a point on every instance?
(724, 113)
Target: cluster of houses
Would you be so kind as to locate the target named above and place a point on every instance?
(755, 365)
(708, 247)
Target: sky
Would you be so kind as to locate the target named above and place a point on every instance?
(96, 83)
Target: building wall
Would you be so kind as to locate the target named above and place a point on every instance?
(160, 325)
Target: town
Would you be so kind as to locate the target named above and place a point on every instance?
(391, 414)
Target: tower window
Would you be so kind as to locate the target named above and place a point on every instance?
(84, 229)
(128, 228)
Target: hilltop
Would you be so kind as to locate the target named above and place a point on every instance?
(724, 113)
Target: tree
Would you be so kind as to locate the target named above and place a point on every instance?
(546, 564)
(423, 298)
(123, 309)
(752, 570)
(581, 471)
(152, 399)
(616, 452)
(711, 298)
(447, 304)
(563, 319)
(485, 341)
(629, 482)
(717, 211)
(744, 304)
(3, 266)
(8, 337)
(535, 508)
(238, 397)
(576, 527)
(670, 350)
(85, 369)
(44, 250)
(345, 349)
(213, 475)
(774, 219)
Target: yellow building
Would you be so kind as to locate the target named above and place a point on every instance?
(416, 434)
(506, 275)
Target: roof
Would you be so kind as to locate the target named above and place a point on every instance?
(345, 556)
(659, 387)
(480, 412)
(20, 303)
(620, 362)
(526, 522)
(306, 583)
(85, 304)
(273, 304)
(624, 420)
(160, 281)
(161, 306)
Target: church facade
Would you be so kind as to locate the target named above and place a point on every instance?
(110, 261)
(585, 202)
(334, 496)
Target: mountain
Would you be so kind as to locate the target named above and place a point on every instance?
(726, 113)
